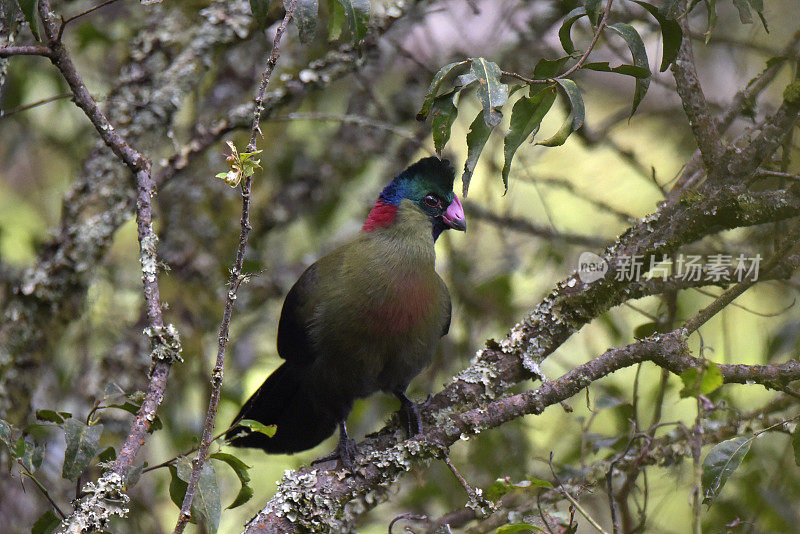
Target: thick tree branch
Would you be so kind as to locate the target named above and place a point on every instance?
(694, 102)
(25, 50)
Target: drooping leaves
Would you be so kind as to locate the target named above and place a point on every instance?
(548, 68)
(335, 19)
(564, 32)
(46, 523)
(241, 470)
(636, 46)
(720, 463)
(260, 10)
(701, 383)
(670, 35)
(82, 445)
(51, 416)
(356, 12)
(206, 500)
(526, 116)
(627, 70)
(433, 89)
(305, 16)
(177, 486)
(206, 504)
(444, 113)
(491, 92)
(255, 426)
(30, 9)
(594, 10)
(476, 139)
(576, 117)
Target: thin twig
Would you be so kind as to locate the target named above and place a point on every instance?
(233, 286)
(24, 50)
(64, 21)
(600, 26)
(42, 489)
(26, 107)
(572, 500)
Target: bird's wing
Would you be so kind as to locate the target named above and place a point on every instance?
(294, 338)
(448, 306)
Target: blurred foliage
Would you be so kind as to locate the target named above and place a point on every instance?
(318, 181)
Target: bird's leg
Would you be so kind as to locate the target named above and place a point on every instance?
(409, 411)
(345, 450)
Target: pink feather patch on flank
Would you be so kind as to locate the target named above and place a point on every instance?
(381, 216)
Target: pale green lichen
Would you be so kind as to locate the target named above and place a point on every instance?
(100, 503)
(165, 343)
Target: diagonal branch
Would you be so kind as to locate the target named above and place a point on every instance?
(703, 124)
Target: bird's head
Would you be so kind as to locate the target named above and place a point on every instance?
(427, 183)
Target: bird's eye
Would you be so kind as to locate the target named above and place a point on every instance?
(433, 201)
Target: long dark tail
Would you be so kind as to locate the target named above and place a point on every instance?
(284, 400)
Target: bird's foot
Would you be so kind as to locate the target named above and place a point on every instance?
(345, 452)
(409, 413)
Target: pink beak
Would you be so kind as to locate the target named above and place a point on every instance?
(454, 215)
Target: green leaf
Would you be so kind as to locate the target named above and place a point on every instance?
(50, 416)
(594, 9)
(758, 6)
(107, 455)
(24, 451)
(335, 20)
(177, 486)
(566, 29)
(33, 461)
(796, 444)
(548, 68)
(645, 330)
(82, 441)
(671, 35)
(30, 8)
(206, 500)
(305, 16)
(514, 528)
(476, 139)
(720, 463)
(433, 88)
(526, 116)
(255, 426)
(636, 46)
(501, 486)
(628, 70)
(701, 383)
(240, 468)
(576, 116)
(744, 11)
(357, 14)
(444, 113)
(260, 9)
(46, 523)
(491, 92)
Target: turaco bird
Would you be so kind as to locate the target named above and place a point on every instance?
(364, 318)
